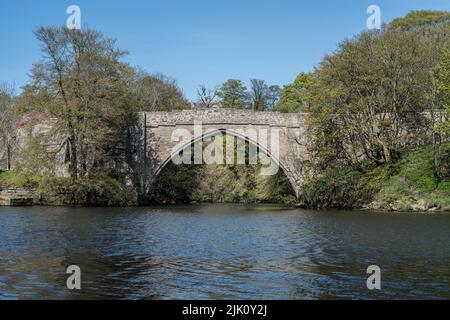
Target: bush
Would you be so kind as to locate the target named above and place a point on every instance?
(409, 184)
(95, 190)
(337, 187)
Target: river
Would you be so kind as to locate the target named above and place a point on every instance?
(222, 252)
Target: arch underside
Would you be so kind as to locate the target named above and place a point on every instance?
(233, 133)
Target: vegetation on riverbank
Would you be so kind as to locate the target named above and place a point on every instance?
(409, 184)
(98, 190)
(220, 184)
(378, 113)
(413, 184)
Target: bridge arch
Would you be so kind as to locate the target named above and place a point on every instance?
(233, 133)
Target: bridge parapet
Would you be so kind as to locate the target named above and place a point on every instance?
(226, 117)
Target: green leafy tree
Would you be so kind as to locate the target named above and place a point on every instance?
(233, 94)
(369, 95)
(8, 125)
(442, 74)
(294, 97)
(417, 19)
(81, 82)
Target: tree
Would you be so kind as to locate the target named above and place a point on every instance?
(8, 124)
(259, 95)
(233, 94)
(442, 75)
(81, 82)
(274, 93)
(157, 93)
(207, 97)
(416, 19)
(371, 96)
(294, 97)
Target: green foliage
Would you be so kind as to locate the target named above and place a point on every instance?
(221, 184)
(374, 88)
(442, 76)
(97, 189)
(414, 185)
(37, 157)
(294, 97)
(408, 184)
(6, 176)
(9, 117)
(82, 83)
(233, 95)
(364, 98)
(337, 187)
(420, 18)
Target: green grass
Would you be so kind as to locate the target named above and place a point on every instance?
(6, 176)
(413, 184)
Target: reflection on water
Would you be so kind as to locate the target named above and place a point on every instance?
(222, 252)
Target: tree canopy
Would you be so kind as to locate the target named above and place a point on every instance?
(421, 18)
(233, 94)
(371, 94)
(81, 82)
(294, 97)
(442, 74)
(8, 124)
(157, 93)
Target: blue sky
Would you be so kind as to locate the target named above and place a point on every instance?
(202, 42)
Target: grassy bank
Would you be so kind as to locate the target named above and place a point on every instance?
(413, 184)
(409, 184)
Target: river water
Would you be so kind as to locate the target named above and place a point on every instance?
(222, 252)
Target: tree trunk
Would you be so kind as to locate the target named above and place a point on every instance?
(73, 167)
(387, 154)
(8, 157)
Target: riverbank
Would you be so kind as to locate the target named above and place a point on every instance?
(410, 184)
(95, 191)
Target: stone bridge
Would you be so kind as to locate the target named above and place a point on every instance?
(242, 124)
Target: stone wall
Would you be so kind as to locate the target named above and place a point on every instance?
(226, 116)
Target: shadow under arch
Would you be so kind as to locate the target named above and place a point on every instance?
(233, 133)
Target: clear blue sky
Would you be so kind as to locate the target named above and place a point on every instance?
(202, 42)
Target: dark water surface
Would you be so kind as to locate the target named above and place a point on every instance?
(222, 252)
